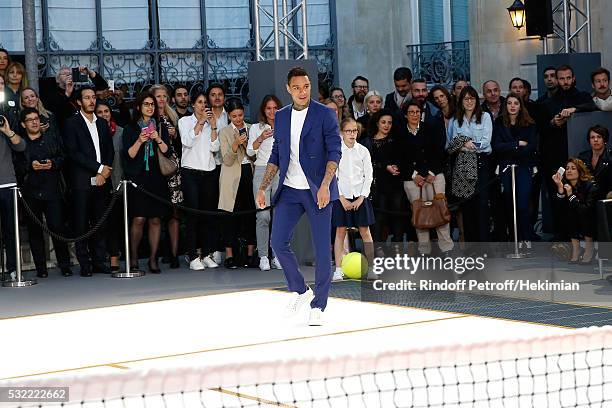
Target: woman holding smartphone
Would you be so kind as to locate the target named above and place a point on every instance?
(48, 123)
(143, 141)
(261, 139)
(236, 186)
(200, 141)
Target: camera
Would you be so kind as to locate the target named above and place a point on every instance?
(78, 76)
(2, 119)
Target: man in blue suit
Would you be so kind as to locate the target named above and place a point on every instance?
(306, 150)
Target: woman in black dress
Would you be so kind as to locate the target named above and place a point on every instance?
(143, 141)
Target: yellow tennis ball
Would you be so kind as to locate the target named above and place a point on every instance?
(354, 265)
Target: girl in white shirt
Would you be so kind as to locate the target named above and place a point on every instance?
(354, 208)
(261, 139)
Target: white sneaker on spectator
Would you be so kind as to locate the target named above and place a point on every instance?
(276, 264)
(13, 275)
(528, 244)
(264, 263)
(297, 301)
(209, 262)
(217, 257)
(197, 265)
(338, 275)
(316, 317)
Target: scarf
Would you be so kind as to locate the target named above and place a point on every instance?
(149, 144)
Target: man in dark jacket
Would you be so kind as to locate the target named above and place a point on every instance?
(557, 110)
(90, 151)
(394, 101)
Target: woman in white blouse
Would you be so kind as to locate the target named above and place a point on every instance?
(200, 141)
(261, 139)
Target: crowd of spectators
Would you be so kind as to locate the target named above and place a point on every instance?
(69, 147)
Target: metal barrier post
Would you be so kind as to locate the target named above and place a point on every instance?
(129, 272)
(18, 282)
(516, 254)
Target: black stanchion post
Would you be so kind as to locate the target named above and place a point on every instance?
(129, 272)
(18, 282)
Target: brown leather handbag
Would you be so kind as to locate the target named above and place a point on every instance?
(428, 214)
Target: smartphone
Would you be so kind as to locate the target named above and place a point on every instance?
(111, 85)
(242, 131)
(561, 171)
(92, 181)
(78, 76)
(477, 144)
(43, 161)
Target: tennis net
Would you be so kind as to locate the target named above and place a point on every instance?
(568, 370)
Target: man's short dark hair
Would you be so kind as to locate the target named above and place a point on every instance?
(564, 68)
(420, 81)
(296, 72)
(176, 88)
(25, 112)
(402, 73)
(360, 78)
(212, 86)
(599, 71)
(601, 131)
(549, 68)
(79, 92)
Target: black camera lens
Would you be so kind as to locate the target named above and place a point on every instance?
(2, 120)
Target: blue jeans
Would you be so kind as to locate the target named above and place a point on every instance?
(8, 227)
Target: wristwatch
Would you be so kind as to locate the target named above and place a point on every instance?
(12, 135)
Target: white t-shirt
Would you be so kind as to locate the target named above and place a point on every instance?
(265, 148)
(603, 104)
(295, 177)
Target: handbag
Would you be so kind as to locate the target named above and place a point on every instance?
(167, 166)
(427, 214)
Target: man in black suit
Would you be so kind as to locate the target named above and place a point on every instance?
(395, 101)
(90, 151)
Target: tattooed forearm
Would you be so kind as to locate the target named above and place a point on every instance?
(330, 171)
(271, 170)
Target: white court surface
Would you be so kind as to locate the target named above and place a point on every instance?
(231, 328)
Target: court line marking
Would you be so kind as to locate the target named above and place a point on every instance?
(456, 313)
(252, 398)
(118, 366)
(235, 347)
(138, 303)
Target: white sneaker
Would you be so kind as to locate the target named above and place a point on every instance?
(528, 244)
(197, 265)
(264, 263)
(217, 257)
(297, 301)
(316, 317)
(276, 264)
(13, 275)
(209, 262)
(338, 275)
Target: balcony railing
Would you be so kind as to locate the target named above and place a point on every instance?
(441, 63)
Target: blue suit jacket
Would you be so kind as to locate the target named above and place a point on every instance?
(320, 142)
